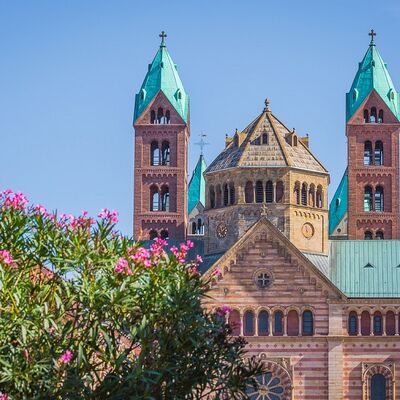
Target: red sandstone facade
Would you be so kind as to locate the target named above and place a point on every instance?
(373, 169)
(160, 179)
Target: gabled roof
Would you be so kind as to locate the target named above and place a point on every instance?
(366, 268)
(372, 74)
(197, 185)
(338, 205)
(162, 76)
(278, 152)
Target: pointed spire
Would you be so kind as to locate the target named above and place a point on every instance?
(162, 35)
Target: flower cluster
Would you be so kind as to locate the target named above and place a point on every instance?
(66, 357)
(110, 215)
(3, 396)
(181, 253)
(72, 222)
(122, 265)
(222, 311)
(18, 201)
(6, 258)
(42, 210)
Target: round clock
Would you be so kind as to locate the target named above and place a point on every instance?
(308, 230)
(222, 230)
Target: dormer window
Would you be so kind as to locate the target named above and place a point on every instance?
(355, 94)
(142, 94)
(264, 138)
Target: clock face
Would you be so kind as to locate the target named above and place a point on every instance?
(222, 230)
(308, 230)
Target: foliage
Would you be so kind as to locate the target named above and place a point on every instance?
(86, 313)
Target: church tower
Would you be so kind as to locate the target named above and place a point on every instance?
(373, 128)
(161, 123)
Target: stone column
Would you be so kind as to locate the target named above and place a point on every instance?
(396, 319)
(284, 321)
(359, 325)
(270, 325)
(255, 325)
(274, 192)
(300, 325)
(383, 324)
(371, 330)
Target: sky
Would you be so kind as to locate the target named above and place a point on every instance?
(69, 71)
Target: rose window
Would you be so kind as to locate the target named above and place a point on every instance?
(269, 388)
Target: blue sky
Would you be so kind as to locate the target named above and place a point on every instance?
(69, 71)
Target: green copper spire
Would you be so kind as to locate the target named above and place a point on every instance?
(197, 185)
(372, 74)
(162, 75)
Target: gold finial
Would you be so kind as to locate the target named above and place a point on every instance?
(372, 33)
(266, 102)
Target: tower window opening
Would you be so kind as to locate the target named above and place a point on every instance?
(212, 197)
(264, 138)
(155, 199)
(226, 195)
(218, 196)
(304, 194)
(390, 323)
(353, 322)
(373, 117)
(232, 193)
(377, 324)
(367, 153)
(367, 235)
(366, 116)
(379, 235)
(167, 117)
(279, 192)
(308, 323)
(248, 323)
(259, 192)
(379, 199)
(165, 199)
(154, 153)
(380, 116)
(269, 192)
(278, 323)
(297, 192)
(319, 198)
(200, 227)
(263, 323)
(368, 199)
(311, 196)
(249, 192)
(293, 323)
(378, 387)
(160, 116)
(152, 117)
(164, 234)
(165, 153)
(153, 234)
(378, 153)
(194, 228)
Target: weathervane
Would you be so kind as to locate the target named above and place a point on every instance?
(202, 142)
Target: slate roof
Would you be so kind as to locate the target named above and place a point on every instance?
(339, 203)
(163, 76)
(197, 185)
(372, 74)
(277, 153)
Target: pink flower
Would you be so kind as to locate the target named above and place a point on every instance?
(222, 311)
(217, 272)
(193, 270)
(199, 259)
(121, 265)
(66, 357)
(3, 396)
(110, 215)
(42, 210)
(18, 201)
(6, 258)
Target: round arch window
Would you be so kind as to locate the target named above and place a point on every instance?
(263, 278)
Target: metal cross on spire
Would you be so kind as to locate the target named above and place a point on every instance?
(202, 142)
(372, 33)
(162, 35)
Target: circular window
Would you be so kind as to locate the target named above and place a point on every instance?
(268, 387)
(263, 279)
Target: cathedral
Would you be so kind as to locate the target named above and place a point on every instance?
(313, 286)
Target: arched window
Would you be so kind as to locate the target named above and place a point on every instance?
(167, 117)
(390, 323)
(249, 192)
(367, 235)
(378, 324)
(165, 153)
(212, 197)
(379, 235)
(236, 140)
(226, 194)
(367, 153)
(152, 117)
(269, 192)
(165, 198)
(194, 228)
(278, 323)
(366, 116)
(153, 234)
(292, 323)
(378, 153)
(154, 199)
(155, 153)
(365, 323)
(279, 192)
(264, 138)
(160, 116)
(304, 194)
(294, 140)
(164, 234)
(263, 323)
(234, 322)
(380, 116)
(379, 199)
(353, 322)
(378, 387)
(308, 323)
(297, 192)
(232, 193)
(311, 196)
(248, 323)
(319, 197)
(219, 196)
(368, 199)
(373, 117)
(259, 192)
(200, 226)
